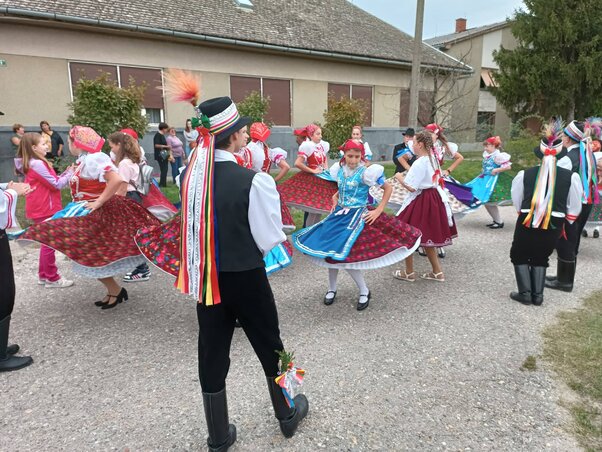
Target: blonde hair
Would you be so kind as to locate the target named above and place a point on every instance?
(25, 151)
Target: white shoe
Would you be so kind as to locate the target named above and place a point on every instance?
(41, 281)
(58, 284)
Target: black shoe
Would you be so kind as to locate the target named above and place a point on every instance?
(237, 324)
(9, 362)
(490, 224)
(288, 417)
(523, 282)
(12, 349)
(584, 233)
(328, 301)
(103, 302)
(496, 225)
(565, 276)
(596, 234)
(123, 296)
(441, 253)
(222, 434)
(538, 282)
(361, 306)
(421, 251)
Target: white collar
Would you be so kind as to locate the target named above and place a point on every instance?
(224, 156)
(572, 147)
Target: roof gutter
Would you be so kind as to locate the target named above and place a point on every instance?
(216, 40)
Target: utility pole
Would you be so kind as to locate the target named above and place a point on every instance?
(416, 61)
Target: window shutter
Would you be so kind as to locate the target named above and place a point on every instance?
(279, 92)
(364, 94)
(153, 94)
(240, 87)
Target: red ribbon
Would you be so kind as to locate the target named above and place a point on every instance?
(550, 151)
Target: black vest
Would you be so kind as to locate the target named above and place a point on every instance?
(575, 156)
(561, 190)
(237, 249)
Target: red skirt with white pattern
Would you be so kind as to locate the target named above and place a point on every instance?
(308, 192)
(161, 245)
(99, 239)
(427, 213)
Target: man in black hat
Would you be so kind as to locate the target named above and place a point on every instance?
(545, 197)
(248, 225)
(567, 246)
(403, 157)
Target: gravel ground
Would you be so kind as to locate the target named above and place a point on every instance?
(427, 366)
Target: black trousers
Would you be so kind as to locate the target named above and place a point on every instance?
(247, 296)
(568, 248)
(163, 166)
(534, 246)
(7, 278)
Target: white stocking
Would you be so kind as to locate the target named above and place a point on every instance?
(494, 211)
(358, 277)
(333, 273)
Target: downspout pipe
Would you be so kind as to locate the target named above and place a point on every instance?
(8, 11)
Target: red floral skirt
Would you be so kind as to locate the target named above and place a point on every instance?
(98, 239)
(288, 224)
(161, 245)
(308, 192)
(386, 241)
(427, 213)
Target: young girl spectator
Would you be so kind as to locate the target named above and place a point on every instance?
(44, 201)
(426, 208)
(311, 189)
(190, 137)
(177, 155)
(354, 237)
(490, 187)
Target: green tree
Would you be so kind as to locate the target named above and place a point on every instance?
(556, 68)
(255, 107)
(105, 107)
(339, 119)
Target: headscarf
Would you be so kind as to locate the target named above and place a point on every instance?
(86, 139)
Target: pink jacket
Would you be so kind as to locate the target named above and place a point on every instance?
(45, 199)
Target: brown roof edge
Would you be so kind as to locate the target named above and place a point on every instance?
(17, 12)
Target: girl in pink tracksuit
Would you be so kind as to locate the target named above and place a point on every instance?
(44, 201)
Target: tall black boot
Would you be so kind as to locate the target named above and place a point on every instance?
(523, 282)
(289, 418)
(538, 282)
(565, 276)
(222, 434)
(7, 361)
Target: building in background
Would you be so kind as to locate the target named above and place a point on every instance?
(476, 113)
(289, 51)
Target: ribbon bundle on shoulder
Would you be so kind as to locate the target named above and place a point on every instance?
(198, 273)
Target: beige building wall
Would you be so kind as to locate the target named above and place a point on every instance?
(466, 92)
(45, 52)
(386, 106)
(310, 101)
(33, 89)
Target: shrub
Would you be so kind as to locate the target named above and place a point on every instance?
(105, 107)
(339, 119)
(255, 107)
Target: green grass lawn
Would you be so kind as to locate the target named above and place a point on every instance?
(573, 346)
